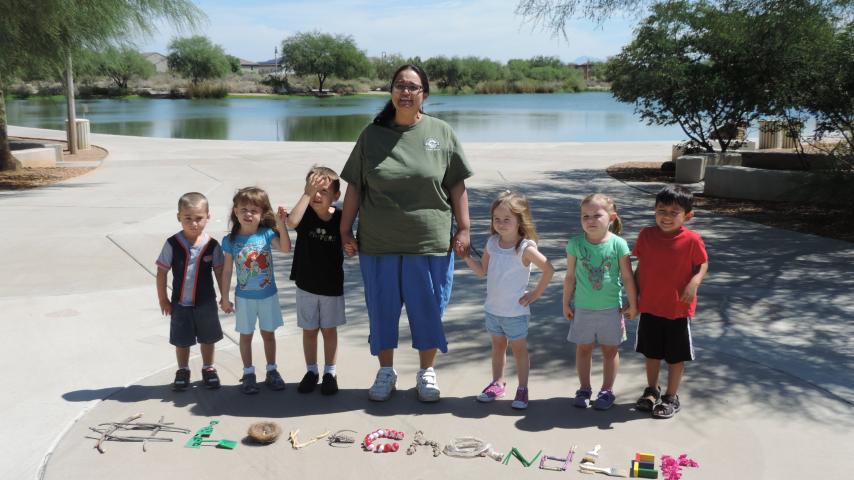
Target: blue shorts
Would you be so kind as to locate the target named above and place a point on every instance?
(513, 328)
(422, 283)
(266, 310)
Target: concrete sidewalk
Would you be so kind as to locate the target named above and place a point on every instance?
(770, 395)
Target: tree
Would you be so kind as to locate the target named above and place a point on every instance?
(708, 68)
(122, 64)
(323, 55)
(49, 31)
(552, 15)
(385, 66)
(197, 58)
(233, 63)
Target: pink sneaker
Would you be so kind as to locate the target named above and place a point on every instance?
(521, 400)
(491, 392)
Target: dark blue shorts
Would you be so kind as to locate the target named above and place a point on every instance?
(189, 324)
(422, 283)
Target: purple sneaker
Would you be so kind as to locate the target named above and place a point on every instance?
(604, 400)
(582, 397)
(521, 400)
(491, 392)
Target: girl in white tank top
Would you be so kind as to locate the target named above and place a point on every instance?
(506, 264)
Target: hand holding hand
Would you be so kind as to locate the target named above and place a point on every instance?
(349, 243)
(226, 306)
(461, 243)
(282, 214)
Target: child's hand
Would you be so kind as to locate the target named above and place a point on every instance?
(226, 306)
(314, 184)
(528, 298)
(461, 243)
(165, 307)
(567, 312)
(349, 243)
(282, 214)
(629, 312)
(690, 292)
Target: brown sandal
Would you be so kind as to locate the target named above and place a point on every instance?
(649, 399)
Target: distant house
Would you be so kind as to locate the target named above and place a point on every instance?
(158, 60)
(267, 66)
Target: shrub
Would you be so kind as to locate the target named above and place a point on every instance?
(207, 89)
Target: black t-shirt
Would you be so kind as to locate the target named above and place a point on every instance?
(318, 258)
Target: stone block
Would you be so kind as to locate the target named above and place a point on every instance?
(758, 184)
(690, 168)
(35, 157)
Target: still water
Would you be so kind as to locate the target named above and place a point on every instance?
(563, 117)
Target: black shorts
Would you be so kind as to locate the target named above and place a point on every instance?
(664, 339)
(194, 323)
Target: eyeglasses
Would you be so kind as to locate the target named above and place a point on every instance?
(407, 87)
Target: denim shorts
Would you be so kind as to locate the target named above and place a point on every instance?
(513, 328)
(266, 310)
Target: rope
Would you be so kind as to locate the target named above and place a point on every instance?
(471, 447)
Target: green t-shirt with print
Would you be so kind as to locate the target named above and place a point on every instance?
(404, 175)
(598, 285)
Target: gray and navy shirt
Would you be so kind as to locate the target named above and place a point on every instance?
(192, 268)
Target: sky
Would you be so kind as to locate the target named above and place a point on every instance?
(251, 29)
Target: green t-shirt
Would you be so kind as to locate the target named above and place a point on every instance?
(404, 175)
(598, 285)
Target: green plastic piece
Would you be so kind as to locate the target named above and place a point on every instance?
(514, 452)
(201, 438)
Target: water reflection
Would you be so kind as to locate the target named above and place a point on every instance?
(590, 116)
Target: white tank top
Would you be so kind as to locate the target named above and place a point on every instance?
(506, 278)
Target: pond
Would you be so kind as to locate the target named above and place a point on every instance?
(562, 117)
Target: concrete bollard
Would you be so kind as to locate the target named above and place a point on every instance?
(83, 132)
(690, 168)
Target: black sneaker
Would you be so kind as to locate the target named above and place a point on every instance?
(308, 382)
(248, 384)
(274, 381)
(182, 380)
(329, 385)
(210, 378)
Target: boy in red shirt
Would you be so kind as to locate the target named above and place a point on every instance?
(672, 262)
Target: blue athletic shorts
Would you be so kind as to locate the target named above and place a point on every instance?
(422, 283)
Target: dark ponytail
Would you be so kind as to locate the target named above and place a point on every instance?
(386, 115)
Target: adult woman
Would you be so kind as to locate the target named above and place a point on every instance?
(406, 180)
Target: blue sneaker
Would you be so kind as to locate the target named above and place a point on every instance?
(582, 397)
(604, 400)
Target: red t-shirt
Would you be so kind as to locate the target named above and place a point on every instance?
(666, 265)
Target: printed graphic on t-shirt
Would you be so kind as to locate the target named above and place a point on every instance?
(595, 273)
(431, 144)
(320, 233)
(254, 269)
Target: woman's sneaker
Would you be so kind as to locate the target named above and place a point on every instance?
(428, 388)
(383, 385)
(182, 380)
(604, 400)
(210, 378)
(521, 400)
(491, 392)
(582, 397)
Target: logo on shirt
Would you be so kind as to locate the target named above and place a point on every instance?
(321, 234)
(431, 144)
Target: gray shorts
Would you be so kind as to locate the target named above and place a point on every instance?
(606, 327)
(189, 324)
(319, 311)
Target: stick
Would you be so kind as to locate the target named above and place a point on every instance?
(112, 429)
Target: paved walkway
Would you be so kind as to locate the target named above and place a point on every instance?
(770, 396)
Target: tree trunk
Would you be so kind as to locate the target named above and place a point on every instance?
(321, 79)
(69, 98)
(6, 161)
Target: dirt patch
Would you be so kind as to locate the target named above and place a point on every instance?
(39, 177)
(831, 221)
